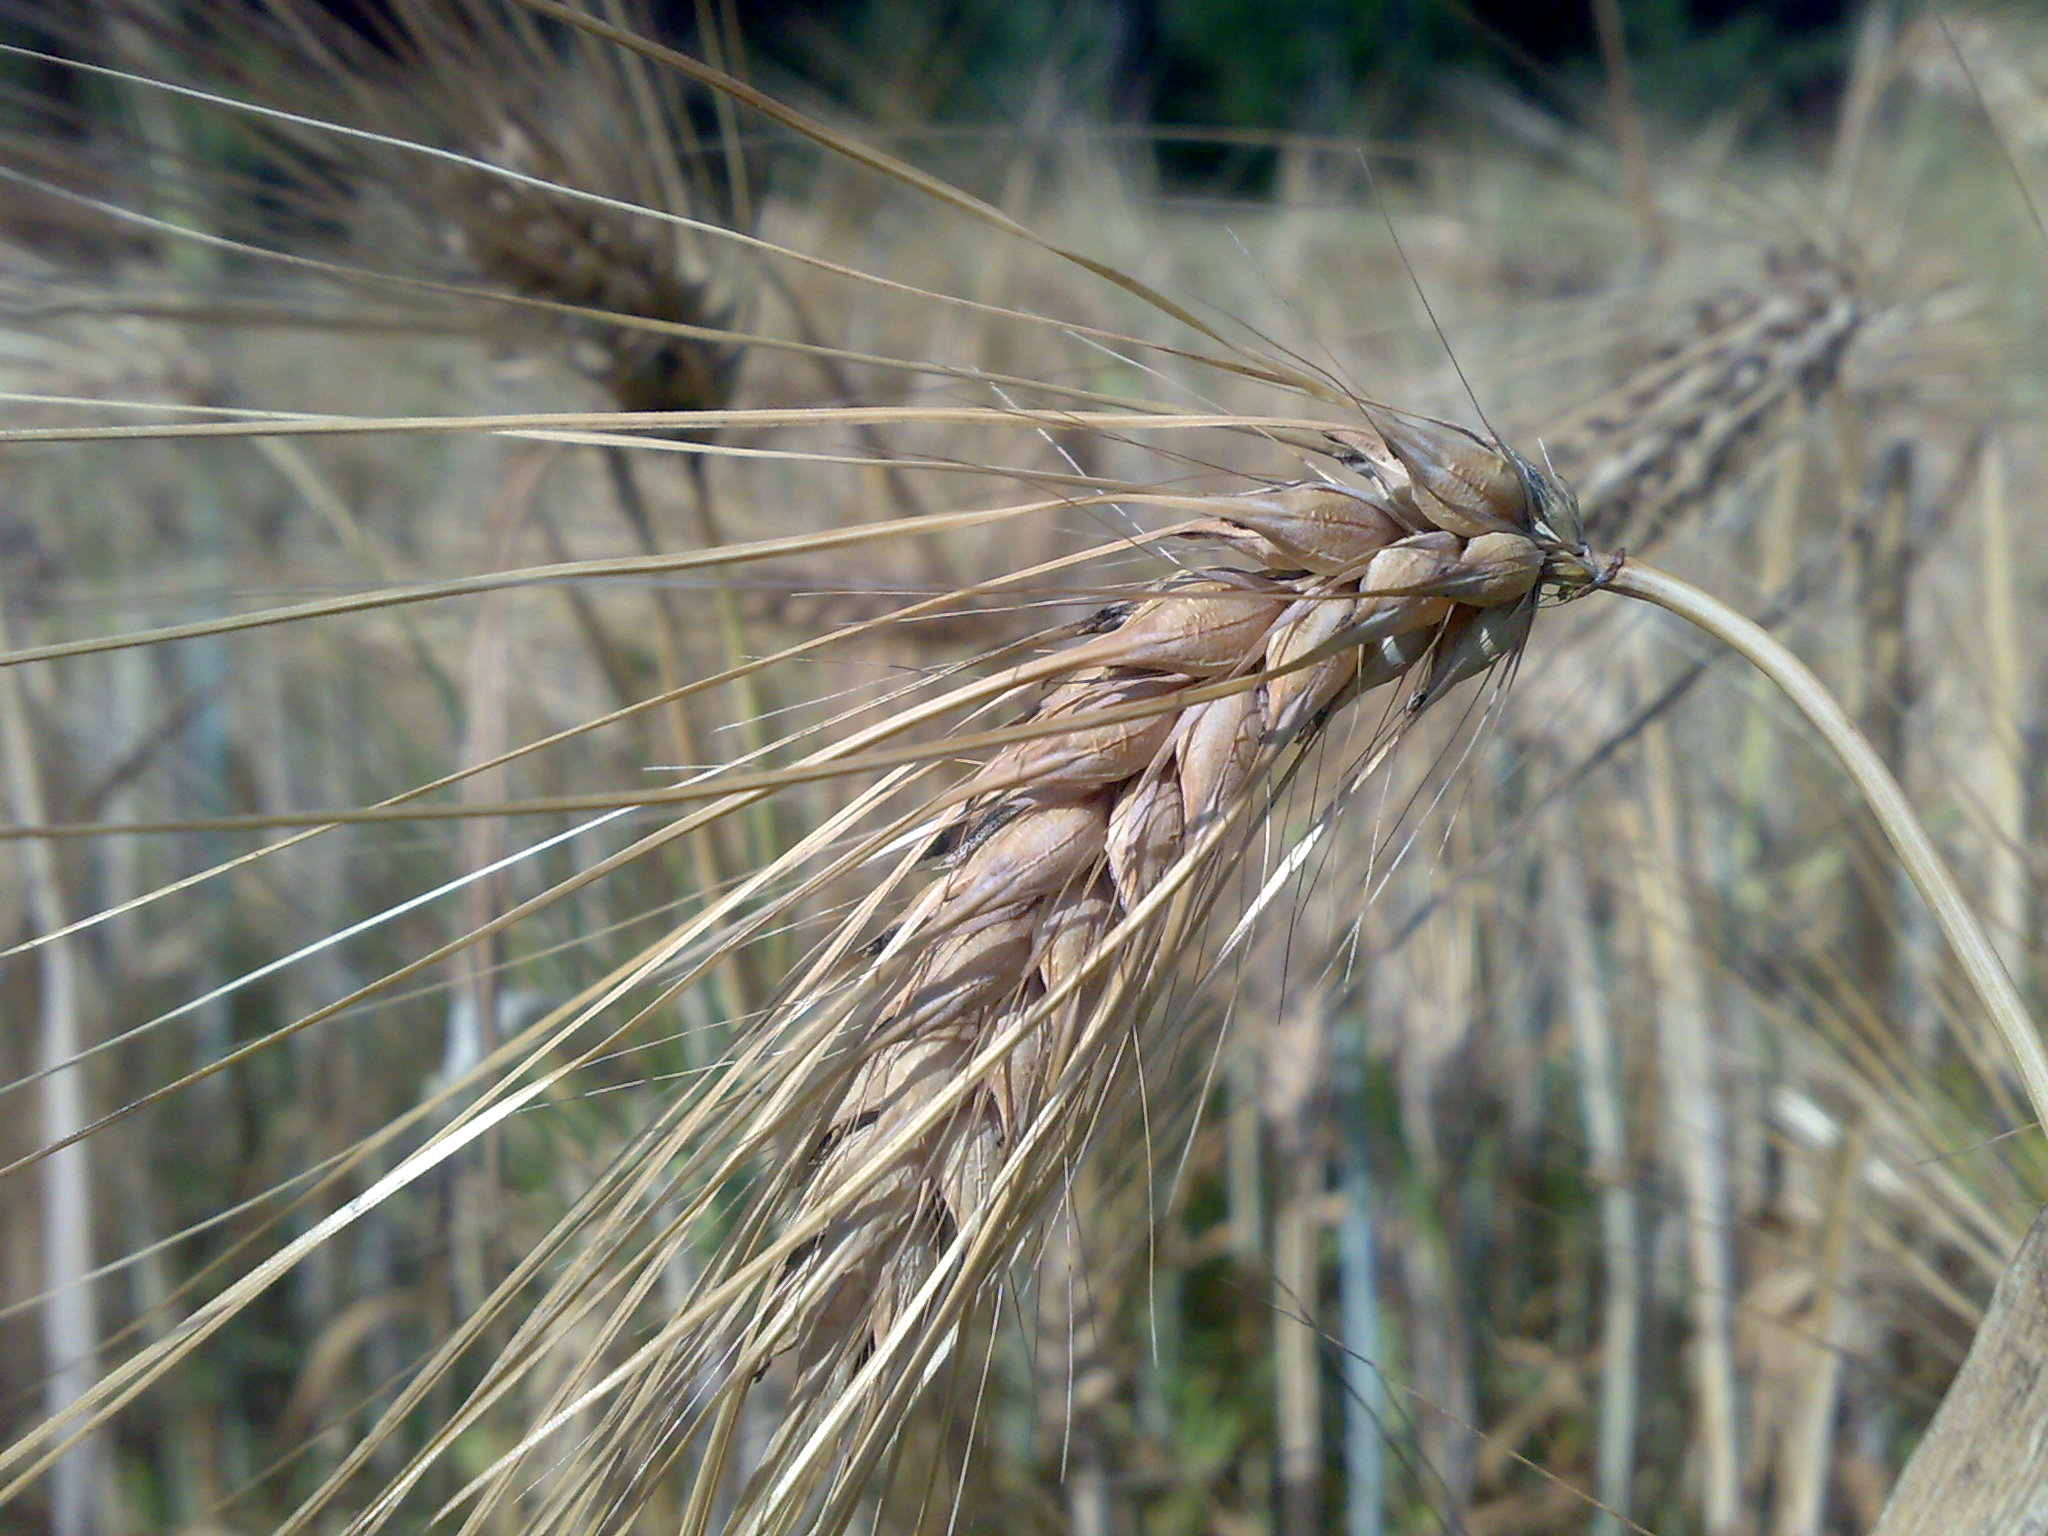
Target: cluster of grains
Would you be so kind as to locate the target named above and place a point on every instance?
(1176, 709)
(1685, 419)
(608, 262)
(562, 112)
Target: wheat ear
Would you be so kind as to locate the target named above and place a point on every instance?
(1683, 424)
(943, 1077)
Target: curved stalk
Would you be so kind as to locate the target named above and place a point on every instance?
(1979, 961)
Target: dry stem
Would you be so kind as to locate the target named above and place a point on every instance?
(1973, 950)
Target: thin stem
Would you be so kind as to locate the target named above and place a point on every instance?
(1694, 1092)
(1627, 121)
(69, 1328)
(1979, 961)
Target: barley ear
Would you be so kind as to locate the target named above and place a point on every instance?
(1980, 964)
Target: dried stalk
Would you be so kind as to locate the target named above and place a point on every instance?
(1974, 953)
(1602, 1096)
(1982, 1469)
(70, 1333)
(1626, 118)
(1806, 1456)
(1365, 1395)
(1689, 1058)
(1296, 1083)
(1882, 571)
(2005, 795)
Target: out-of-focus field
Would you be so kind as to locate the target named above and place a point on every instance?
(1591, 1131)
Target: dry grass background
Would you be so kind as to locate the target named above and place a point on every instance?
(1590, 1134)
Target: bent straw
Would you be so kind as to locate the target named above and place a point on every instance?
(1980, 964)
